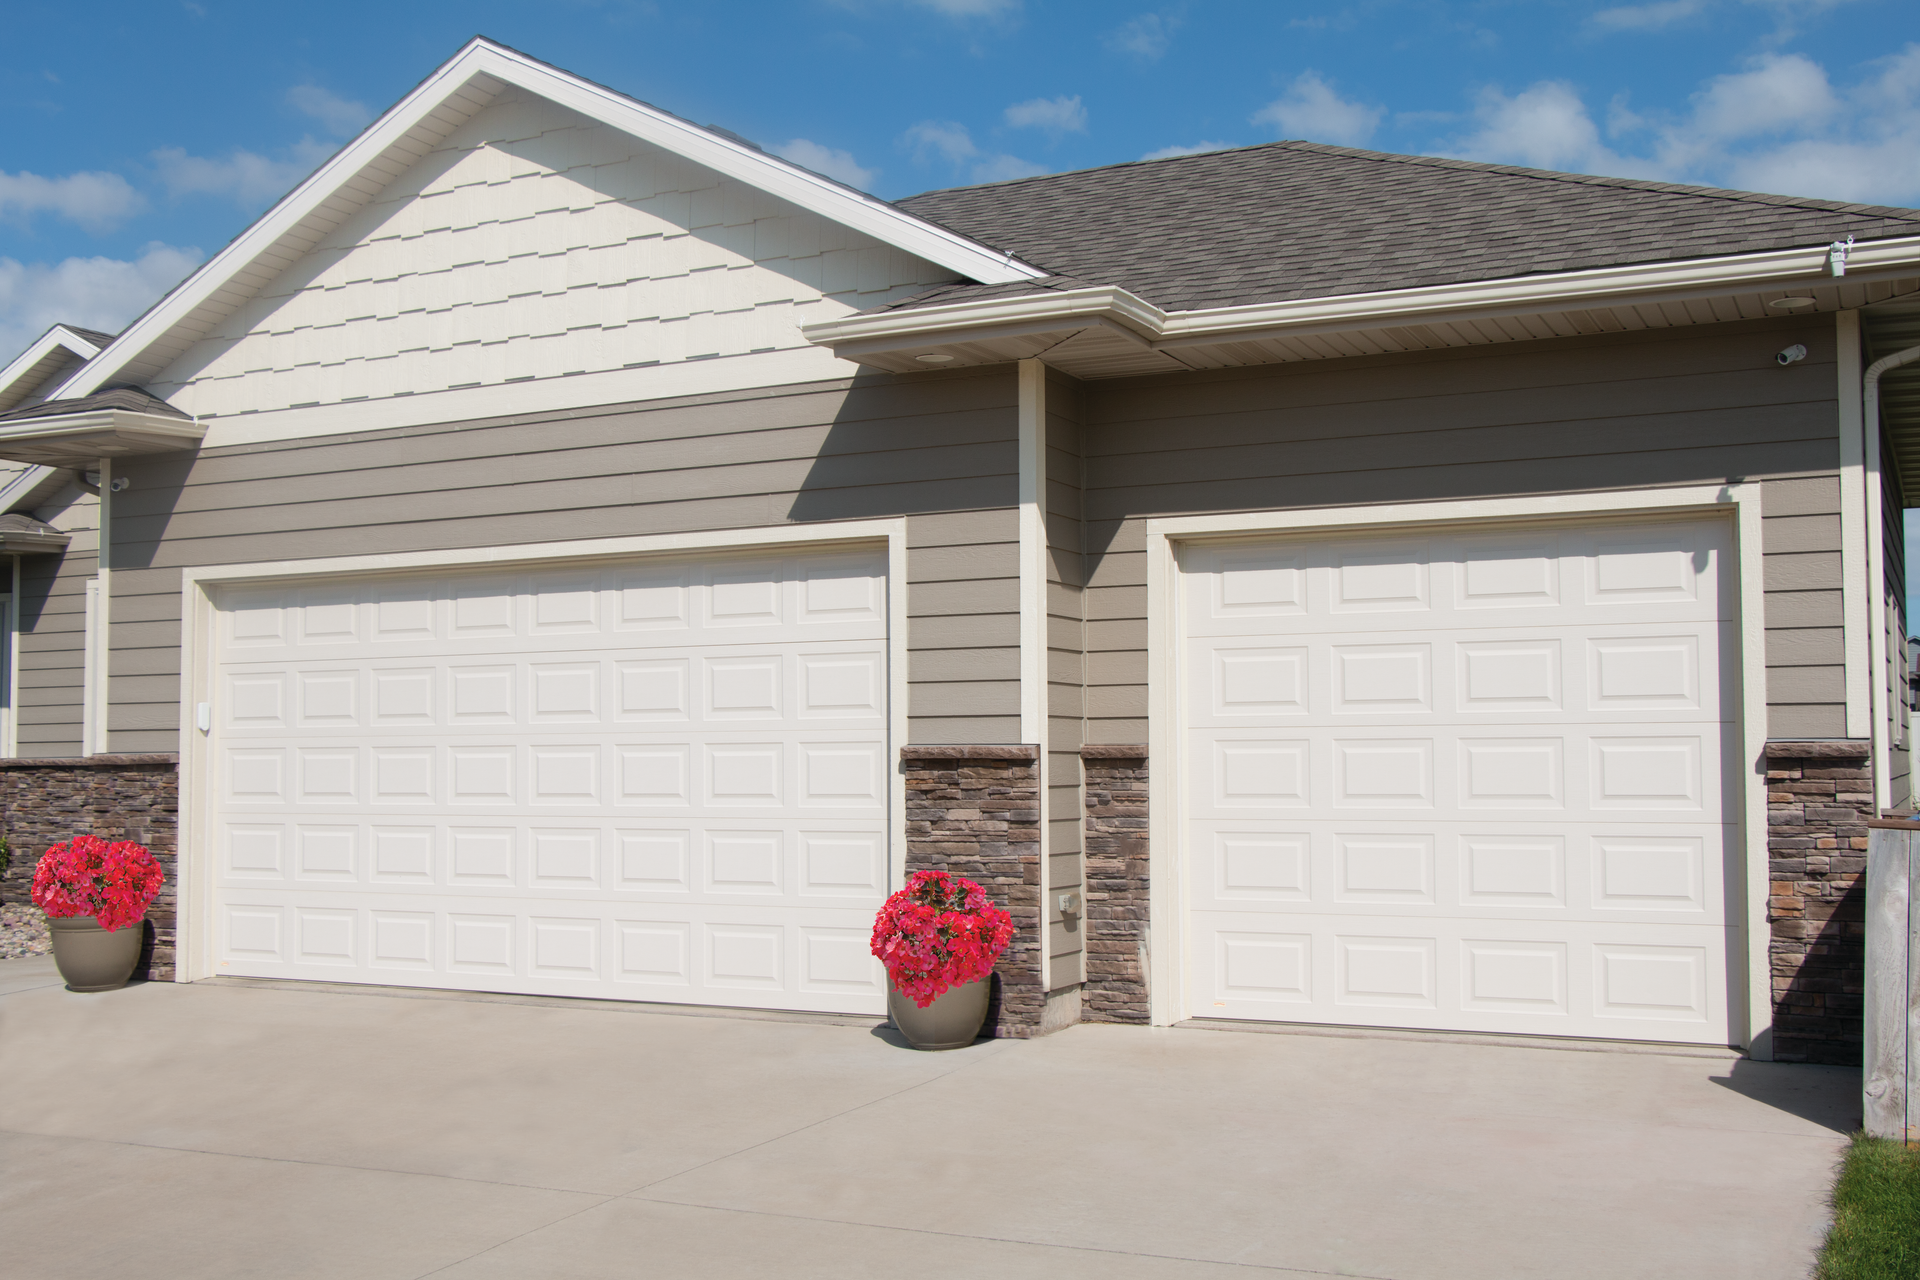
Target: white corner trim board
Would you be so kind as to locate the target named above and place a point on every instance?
(1750, 1017)
(1161, 330)
(1856, 622)
(1033, 615)
(482, 58)
(198, 654)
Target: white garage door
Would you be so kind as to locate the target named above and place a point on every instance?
(652, 781)
(1464, 781)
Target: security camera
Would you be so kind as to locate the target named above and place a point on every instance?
(1791, 354)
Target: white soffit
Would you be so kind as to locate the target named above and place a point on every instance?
(417, 123)
(40, 361)
(1135, 337)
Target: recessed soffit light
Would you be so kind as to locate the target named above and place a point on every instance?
(1792, 304)
(934, 357)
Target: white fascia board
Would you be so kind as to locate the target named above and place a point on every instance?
(1613, 286)
(57, 337)
(1065, 306)
(758, 168)
(1610, 285)
(482, 58)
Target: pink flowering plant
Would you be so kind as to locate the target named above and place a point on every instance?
(114, 883)
(940, 931)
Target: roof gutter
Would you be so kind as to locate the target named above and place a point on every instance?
(1518, 295)
(1876, 560)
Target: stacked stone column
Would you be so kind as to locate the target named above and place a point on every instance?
(974, 811)
(1819, 800)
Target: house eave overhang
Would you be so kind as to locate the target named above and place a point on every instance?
(1053, 325)
(82, 439)
(21, 543)
(409, 129)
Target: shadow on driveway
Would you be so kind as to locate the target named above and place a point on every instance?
(1799, 1090)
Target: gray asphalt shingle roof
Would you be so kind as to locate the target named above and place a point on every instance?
(130, 398)
(1304, 220)
(94, 336)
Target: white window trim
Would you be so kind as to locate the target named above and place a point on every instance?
(1170, 894)
(198, 650)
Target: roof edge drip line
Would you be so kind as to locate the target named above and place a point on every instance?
(1612, 286)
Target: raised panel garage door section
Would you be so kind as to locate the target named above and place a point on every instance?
(1471, 781)
(660, 780)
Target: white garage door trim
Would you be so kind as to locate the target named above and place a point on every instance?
(1167, 802)
(194, 946)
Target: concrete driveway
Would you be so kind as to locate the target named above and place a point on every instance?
(231, 1130)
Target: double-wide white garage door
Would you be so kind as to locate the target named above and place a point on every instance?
(1464, 781)
(650, 781)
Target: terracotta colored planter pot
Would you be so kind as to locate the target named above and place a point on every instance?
(952, 1021)
(91, 958)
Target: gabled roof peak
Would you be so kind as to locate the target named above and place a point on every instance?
(453, 93)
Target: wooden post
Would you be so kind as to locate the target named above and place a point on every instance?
(1890, 1076)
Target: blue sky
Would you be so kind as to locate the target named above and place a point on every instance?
(145, 135)
(141, 136)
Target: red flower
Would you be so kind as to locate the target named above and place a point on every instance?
(940, 931)
(114, 883)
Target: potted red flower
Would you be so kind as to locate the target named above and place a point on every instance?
(939, 938)
(95, 895)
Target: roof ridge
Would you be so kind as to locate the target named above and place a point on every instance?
(1600, 180)
(1896, 212)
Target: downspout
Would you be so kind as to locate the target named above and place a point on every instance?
(1876, 568)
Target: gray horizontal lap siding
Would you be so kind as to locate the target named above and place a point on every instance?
(1647, 409)
(53, 617)
(939, 449)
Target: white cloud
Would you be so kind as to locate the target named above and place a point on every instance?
(1779, 125)
(1145, 37)
(94, 293)
(1055, 115)
(1545, 126)
(945, 140)
(1646, 17)
(835, 164)
(252, 180)
(94, 200)
(1311, 109)
(1777, 93)
(970, 8)
(339, 116)
(1191, 149)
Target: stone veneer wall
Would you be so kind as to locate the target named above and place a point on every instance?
(1819, 800)
(115, 797)
(975, 811)
(1116, 854)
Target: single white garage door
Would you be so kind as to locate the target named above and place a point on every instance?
(652, 781)
(1464, 781)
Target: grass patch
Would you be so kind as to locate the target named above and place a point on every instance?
(1876, 1214)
